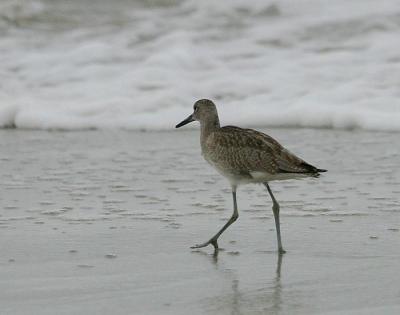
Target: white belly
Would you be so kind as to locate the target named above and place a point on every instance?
(262, 177)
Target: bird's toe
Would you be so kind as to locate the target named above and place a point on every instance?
(199, 245)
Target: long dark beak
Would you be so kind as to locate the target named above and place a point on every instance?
(184, 122)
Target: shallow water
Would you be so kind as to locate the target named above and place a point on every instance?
(98, 222)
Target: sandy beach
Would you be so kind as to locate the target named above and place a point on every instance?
(100, 222)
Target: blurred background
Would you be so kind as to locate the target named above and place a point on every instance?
(142, 64)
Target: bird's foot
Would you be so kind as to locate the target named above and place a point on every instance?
(281, 251)
(213, 242)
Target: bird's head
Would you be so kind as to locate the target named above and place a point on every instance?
(203, 110)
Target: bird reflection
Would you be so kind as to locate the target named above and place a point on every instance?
(277, 287)
(214, 256)
(267, 299)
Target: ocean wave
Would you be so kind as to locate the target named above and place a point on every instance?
(141, 65)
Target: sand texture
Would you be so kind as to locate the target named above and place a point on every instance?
(100, 222)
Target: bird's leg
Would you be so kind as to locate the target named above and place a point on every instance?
(275, 210)
(233, 218)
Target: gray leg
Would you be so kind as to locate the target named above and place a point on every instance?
(275, 209)
(233, 218)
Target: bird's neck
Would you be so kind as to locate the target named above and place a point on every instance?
(207, 127)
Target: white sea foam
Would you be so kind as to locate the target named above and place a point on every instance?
(307, 63)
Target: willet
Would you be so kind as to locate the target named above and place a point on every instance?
(245, 156)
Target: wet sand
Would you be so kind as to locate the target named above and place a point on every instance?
(101, 222)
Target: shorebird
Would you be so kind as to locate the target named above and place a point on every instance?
(245, 156)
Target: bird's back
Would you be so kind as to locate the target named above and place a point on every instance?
(247, 154)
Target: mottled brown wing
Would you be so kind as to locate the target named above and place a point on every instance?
(249, 150)
(239, 153)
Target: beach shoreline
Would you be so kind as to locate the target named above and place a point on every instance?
(94, 222)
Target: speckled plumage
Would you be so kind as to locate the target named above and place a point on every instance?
(245, 156)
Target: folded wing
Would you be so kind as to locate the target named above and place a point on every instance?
(246, 150)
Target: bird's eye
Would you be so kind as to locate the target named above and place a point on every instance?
(196, 108)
